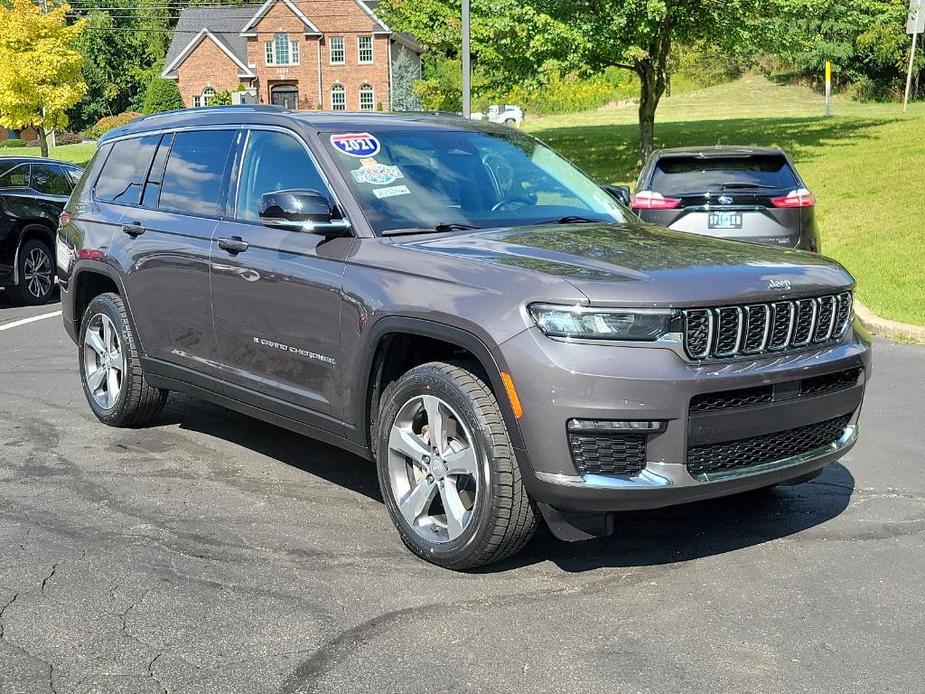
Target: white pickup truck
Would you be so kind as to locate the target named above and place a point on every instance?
(507, 114)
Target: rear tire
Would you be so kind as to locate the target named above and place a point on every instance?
(459, 502)
(36, 273)
(110, 370)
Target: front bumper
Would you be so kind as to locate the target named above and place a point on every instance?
(610, 382)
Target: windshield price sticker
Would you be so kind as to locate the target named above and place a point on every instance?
(391, 192)
(360, 145)
(376, 174)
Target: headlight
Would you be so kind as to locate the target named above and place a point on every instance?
(604, 324)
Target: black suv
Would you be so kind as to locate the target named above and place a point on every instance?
(33, 192)
(741, 193)
(459, 303)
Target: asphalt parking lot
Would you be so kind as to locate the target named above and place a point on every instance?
(214, 553)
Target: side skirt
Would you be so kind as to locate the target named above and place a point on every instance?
(274, 411)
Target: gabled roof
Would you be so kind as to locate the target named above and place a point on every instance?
(223, 26)
(230, 27)
(265, 7)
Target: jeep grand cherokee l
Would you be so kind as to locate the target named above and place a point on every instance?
(458, 303)
(741, 193)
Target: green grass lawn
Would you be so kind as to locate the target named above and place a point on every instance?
(866, 166)
(79, 154)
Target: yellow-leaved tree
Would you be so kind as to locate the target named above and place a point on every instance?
(40, 69)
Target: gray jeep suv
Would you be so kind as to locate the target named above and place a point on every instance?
(460, 304)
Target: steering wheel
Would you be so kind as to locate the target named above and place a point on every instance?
(521, 200)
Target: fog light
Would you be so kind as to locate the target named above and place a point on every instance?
(621, 425)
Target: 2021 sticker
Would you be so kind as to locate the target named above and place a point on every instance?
(360, 145)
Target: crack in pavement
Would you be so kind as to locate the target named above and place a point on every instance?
(54, 568)
(305, 677)
(3, 609)
(153, 676)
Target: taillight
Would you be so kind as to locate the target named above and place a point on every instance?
(650, 200)
(64, 219)
(795, 198)
(90, 254)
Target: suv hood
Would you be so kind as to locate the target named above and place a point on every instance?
(644, 265)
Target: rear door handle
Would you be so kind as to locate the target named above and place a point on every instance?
(234, 245)
(134, 230)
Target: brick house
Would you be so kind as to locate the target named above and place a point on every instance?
(335, 55)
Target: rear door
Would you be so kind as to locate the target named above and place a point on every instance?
(165, 242)
(734, 196)
(276, 293)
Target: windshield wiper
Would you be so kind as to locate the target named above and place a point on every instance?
(743, 184)
(574, 219)
(440, 228)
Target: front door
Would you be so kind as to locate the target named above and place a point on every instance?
(285, 95)
(276, 293)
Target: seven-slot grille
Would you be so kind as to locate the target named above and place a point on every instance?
(730, 331)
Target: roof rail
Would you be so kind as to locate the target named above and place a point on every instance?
(251, 108)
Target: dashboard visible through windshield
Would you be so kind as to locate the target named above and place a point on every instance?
(427, 179)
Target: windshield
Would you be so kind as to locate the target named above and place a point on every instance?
(418, 179)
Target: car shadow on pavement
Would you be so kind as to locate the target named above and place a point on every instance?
(642, 538)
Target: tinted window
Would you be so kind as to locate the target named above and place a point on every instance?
(273, 161)
(50, 180)
(123, 174)
(195, 171)
(679, 175)
(13, 176)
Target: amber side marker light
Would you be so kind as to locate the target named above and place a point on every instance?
(512, 394)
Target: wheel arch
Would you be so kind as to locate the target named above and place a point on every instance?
(89, 279)
(33, 229)
(384, 360)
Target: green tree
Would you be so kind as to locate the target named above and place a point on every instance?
(221, 98)
(405, 75)
(162, 95)
(40, 69)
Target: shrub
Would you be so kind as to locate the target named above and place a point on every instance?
(13, 142)
(162, 95)
(68, 139)
(107, 123)
(222, 98)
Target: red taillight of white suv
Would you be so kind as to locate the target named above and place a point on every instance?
(800, 197)
(650, 200)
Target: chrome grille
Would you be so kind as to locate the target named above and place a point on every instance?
(725, 332)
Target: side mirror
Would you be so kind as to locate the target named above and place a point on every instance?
(301, 210)
(620, 193)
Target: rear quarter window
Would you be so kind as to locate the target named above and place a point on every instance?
(684, 175)
(194, 179)
(123, 175)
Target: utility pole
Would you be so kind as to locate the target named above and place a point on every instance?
(916, 20)
(466, 62)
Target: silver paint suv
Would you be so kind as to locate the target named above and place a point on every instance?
(459, 303)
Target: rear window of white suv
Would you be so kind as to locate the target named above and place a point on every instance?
(678, 175)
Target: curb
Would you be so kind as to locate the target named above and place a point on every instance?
(888, 328)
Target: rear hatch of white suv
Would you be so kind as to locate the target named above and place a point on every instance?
(743, 194)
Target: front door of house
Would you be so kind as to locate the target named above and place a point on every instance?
(285, 95)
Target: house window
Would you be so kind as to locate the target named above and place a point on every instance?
(338, 98)
(365, 49)
(336, 50)
(367, 99)
(203, 99)
(282, 51)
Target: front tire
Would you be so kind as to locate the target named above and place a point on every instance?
(110, 370)
(36, 272)
(447, 469)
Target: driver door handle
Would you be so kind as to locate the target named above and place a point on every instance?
(234, 245)
(134, 230)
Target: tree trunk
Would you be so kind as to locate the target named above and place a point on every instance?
(43, 140)
(653, 78)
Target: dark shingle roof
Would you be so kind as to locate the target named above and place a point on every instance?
(225, 22)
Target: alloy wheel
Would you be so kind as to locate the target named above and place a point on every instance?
(37, 273)
(433, 469)
(104, 361)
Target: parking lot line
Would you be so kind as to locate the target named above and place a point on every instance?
(31, 319)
